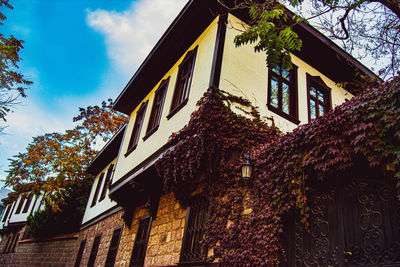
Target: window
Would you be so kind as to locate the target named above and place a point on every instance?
(93, 252)
(27, 204)
(7, 244)
(96, 193)
(319, 97)
(80, 253)
(157, 108)
(112, 251)
(106, 182)
(14, 244)
(21, 202)
(183, 82)
(6, 213)
(282, 93)
(136, 128)
(140, 246)
(194, 231)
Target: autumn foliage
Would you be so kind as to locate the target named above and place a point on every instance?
(246, 218)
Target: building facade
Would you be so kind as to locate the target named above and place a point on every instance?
(129, 221)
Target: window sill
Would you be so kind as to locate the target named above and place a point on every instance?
(149, 133)
(177, 108)
(283, 114)
(130, 150)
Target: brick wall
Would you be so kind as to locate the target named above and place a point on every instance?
(164, 242)
(55, 252)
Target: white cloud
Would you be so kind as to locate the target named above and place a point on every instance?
(130, 35)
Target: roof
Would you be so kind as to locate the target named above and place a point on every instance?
(107, 154)
(195, 17)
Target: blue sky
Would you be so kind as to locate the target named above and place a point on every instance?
(77, 53)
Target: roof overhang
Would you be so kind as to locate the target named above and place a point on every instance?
(107, 154)
(318, 51)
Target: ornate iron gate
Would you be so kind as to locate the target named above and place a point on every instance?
(353, 225)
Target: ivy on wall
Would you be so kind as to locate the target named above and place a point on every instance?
(246, 219)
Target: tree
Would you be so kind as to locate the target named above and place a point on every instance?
(54, 164)
(362, 27)
(12, 83)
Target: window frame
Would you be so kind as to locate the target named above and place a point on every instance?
(157, 108)
(293, 115)
(6, 212)
(137, 128)
(80, 253)
(27, 204)
(110, 172)
(186, 256)
(94, 251)
(183, 84)
(112, 253)
(319, 85)
(140, 261)
(20, 204)
(96, 192)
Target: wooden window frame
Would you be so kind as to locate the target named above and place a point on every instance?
(293, 115)
(110, 172)
(183, 83)
(20, 204)
(157, 108)
(135, 262)
(113, 248)
(137, 127)
(198, 207)
(319, 85)
(27, 204)
(94, 251)
(80, 253)
(96, 192)
(5, 214)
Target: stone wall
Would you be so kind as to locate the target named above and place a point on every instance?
(55, 252)
(164, 242)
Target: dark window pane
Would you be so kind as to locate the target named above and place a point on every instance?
(106, 182)
(112, 251)
(93, 252)
(15, 241)
(27, 204)
(141, 240)
(157, 106)
(96, 193)
(80, 253)
(6, 213)
(7, 244)
(21, 202)
(137, 126)
(194, 232)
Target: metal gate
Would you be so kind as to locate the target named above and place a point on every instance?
(357, 224)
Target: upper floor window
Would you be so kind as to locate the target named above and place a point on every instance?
(319, 97)
(156, 111)
(183, 82)
(96, 193)
(141, 239)
(27, 204)
(137, 128)
(106, 182)
(282, 92)
(20, 204)
(6, 213)
(194, 232)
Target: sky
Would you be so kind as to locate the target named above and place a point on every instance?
(77, 53)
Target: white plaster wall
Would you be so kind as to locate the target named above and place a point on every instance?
(244, 73)
(199, 85)
(100, 206)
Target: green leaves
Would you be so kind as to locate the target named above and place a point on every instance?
(273, 34)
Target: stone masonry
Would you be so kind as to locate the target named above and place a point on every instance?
(165, 239)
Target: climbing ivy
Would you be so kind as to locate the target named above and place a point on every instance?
(245, 225)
